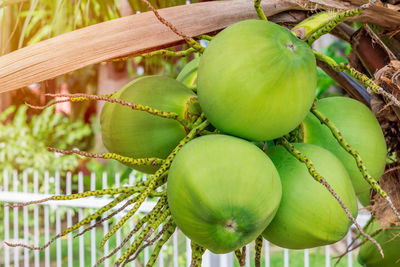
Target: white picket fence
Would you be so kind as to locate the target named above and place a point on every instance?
(65, 257)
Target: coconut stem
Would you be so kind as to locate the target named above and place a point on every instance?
(197, 254)
(139, 225)
(99, 222)
(259, 244)
(364, 228)
(243, 260)
(88, 219)
(153, 222)
(152, 241)
(302, 158)
(311, 169)
(120, 158)
(360, 164)
(100, 192)
(171, 226)
(199, 125)
(160, 204)
(349, 249)
(162, 52)
(107, 98)
(241, 256)
(205, 37)
(238, 255)
(259, 11)
(166, 52)
(149, 219)
(170, 53)
(360, 77)
(154, 225)
(337, 19)
(145, 189)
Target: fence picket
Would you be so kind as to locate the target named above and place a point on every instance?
(207, 259)
(306, 258)
(146, 255)
(132, 220)
(175, 247)
(188, 252)
(327, 256)
(223, 260)
(266, 253)
(247, 255)
(161, 255)
(58, 221)
(118, 233)
(286, 257)
(105, 223)
(36, 219)
(131, 226)
(26, 217)
(15, 225)
(80, 217)
(6, 221)
(350, 254)
(46, 221)
(93, 231)
(69, 222)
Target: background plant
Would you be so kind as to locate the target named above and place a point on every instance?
(24, 141)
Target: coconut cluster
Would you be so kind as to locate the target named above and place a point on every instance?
(255, 83)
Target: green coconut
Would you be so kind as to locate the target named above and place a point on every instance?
(308, 215)
(389, 239)
(188, 75)
(222, 191)
(360, 129)
(256, 80)
(138, 134)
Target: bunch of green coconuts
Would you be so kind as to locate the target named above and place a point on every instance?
(255, 82)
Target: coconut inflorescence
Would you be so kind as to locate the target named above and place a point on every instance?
(308, 215)
(223, 191)
(224, 171)
(359, 126)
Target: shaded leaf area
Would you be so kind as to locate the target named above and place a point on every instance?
(338, 51)
(29, 22)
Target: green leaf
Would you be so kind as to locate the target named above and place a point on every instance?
(6, 113)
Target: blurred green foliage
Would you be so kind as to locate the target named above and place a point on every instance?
(37, 20)
(24, 142)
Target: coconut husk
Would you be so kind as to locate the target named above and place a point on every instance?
(388, 115)
(390, 182)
